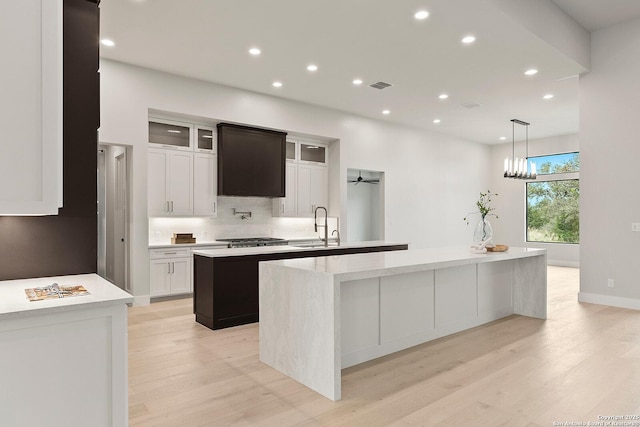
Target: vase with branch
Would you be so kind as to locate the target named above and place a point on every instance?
(483, 233)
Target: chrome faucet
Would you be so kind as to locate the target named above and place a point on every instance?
(336, 231)
(326, 227)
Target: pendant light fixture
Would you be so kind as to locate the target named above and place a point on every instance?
(515, 167)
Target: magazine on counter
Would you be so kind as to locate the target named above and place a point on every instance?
(55, 291)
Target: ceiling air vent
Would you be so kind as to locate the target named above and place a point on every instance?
(470, 105)
(380, 85)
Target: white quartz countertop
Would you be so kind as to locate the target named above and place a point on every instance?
(298, 239)
(14, 301)
(378, 264)
(216, 253)
(187, 245)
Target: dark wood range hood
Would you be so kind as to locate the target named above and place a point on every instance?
(251, 161)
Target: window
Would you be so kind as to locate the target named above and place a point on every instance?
(557, 163)
(553, 208)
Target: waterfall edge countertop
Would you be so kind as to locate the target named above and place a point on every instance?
(261, 250)
(321, 315)
(362, 266)
(14, 301)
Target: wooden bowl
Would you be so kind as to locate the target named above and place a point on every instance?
(498, 248)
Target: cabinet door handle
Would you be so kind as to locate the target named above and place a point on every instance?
(214, 207)
(170, 253)
(173, 268)
(172, 206)
(168, 268)
(167, 207)
(282, 207)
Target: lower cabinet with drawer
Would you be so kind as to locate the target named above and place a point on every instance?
(170, 272)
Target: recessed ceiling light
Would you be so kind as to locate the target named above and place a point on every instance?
(276, 84)
(312, 67)
(531, 72)
(443, 96)
(107, 42)
(548, 96)
(468, 39)
(436, 121)
(386, 112)
(357, 82)
(173, 131)
(255, 51)
(421, 14)
(502, 138)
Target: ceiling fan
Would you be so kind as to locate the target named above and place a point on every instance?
(360, 179)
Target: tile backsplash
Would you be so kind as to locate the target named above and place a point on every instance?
(261, 223)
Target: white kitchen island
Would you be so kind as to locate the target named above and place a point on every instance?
(320, 315)
(63, 362)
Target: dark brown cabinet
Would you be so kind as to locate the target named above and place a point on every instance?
(251, 161)
(225, 289)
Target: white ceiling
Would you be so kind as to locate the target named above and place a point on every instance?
(372, 40)
(598, 14)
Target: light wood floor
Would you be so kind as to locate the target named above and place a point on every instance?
(581, 363)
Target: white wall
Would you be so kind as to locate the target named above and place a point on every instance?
(610, 149)
(510, 227)
(228, 225)
(431, 180)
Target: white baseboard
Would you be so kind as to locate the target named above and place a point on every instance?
(621, 302)
(141, 300)
(563, 263)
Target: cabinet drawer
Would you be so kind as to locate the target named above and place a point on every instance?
(169, 253)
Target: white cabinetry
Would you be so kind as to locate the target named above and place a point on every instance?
(312, 188)
(287, 206)
(170, 175)
(31, 108)
(170, 272)
(205, 185)
(182, 169)
(307, 180)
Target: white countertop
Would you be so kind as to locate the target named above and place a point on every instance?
(187, 245)
(216, 253)
(14, 301)
(225, 244)
(377, 264)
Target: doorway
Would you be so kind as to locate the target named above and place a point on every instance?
(113, 214)
(365, 205)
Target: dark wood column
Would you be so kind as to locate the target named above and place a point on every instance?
(66, 243)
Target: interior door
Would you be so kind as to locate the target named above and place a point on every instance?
(120, 223)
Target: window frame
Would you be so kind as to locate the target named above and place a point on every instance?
(549, 177)
(532, 158)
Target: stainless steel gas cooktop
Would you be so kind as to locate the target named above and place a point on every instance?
(248, 242)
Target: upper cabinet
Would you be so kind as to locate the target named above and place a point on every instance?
(307, 180)
(313, 153)
(170, 175)
(170, 135)
(182, 169)
(31, 108)
(206, 140)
